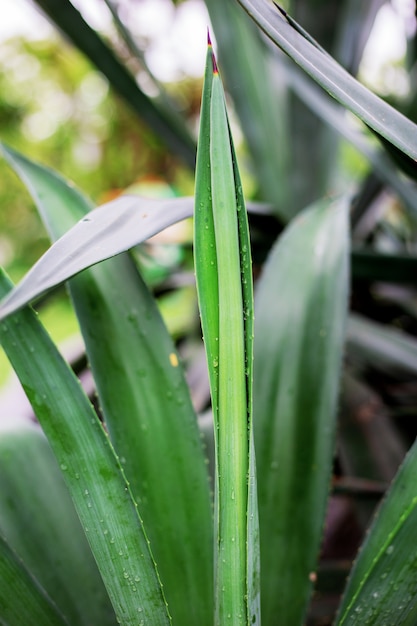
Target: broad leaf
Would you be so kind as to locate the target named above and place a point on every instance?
(300, 312)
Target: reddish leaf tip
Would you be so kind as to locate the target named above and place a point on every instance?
(213, 58)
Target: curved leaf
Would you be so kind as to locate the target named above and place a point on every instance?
(90, 468)
(376, 113)
(300, 312)
(105, 232)
(154, 432)
(333, 115)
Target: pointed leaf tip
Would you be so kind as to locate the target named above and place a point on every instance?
(213, 57)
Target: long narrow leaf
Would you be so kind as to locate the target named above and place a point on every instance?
(300, 312)
(155, 433)
(259, 98)
(223, 271)
(377, 114)
(90, 467)
(333, 115)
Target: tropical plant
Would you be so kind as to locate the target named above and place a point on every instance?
(141, 540)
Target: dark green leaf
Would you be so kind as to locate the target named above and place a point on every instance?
(90, 468)
(38, 520)
(155, 433)
(300, 311)
(22, 600)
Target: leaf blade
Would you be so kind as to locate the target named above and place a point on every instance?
(378, 115)
(300, 311)
(17, 583)
(90, 468)
(154, 431)
(52, 545)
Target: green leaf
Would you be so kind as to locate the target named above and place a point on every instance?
(168, 124)
(224, 287)
(22, 600)
(39, 522)
(155, 432)
(90, 467)
(377, 114)
(107, 231)
(300, 312)
(259, 98)
(381, 588)
(384, 348)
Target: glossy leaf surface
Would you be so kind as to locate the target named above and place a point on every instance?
(224, 286)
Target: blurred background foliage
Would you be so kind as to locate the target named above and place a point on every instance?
(57, 109)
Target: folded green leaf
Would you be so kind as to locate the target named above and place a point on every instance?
(300, 313)
(224, 286)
